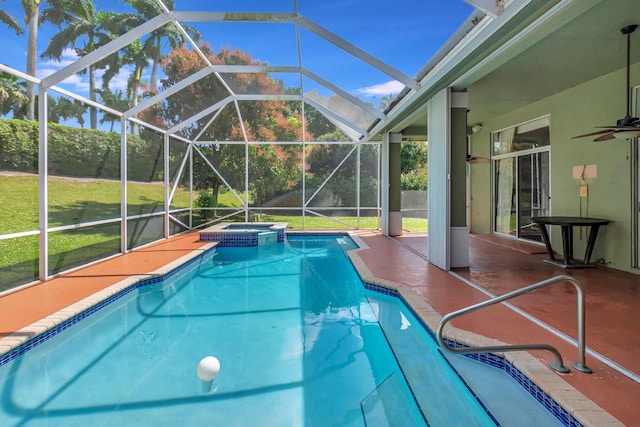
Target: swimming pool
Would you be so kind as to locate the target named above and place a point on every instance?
(300, 341)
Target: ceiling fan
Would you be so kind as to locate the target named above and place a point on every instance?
(475, 160)
(627, 127)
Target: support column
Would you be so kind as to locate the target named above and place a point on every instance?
(395, 185)
(391, 185)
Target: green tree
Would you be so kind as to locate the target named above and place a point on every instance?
(64, 109)
(79, 22)
(53, 113)
(325, 160)
(31, 19)
(385, 102)
(261, 121)
(134, 54)
(318, 124)
(167, 36)
(115, 100)
(413, 165)
(12, 93)
(10, 21)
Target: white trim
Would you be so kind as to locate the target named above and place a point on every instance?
(358, 53)
(123, 186)
(83, 225)
(19, 234)
(43, 186)
(106, 50)
(182, 84)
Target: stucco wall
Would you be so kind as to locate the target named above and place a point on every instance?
(573, 112)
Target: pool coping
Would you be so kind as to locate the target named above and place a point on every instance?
(50, 322)
(584, 410)
(580, 407)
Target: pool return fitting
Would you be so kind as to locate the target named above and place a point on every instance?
(558, 365)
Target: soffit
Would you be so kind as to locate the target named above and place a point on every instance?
(574, 42)
(584, 48)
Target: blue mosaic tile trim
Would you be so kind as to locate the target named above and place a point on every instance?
(45, 336)
(490, 359)
(243, 239)
(311, 234)
(231, 239)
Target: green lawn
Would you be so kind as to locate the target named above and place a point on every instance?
(73, 201)
(416, 225)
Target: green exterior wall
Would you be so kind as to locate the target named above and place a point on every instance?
(573, 112)
(458, 215)
(395, 183)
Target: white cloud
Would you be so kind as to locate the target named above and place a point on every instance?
(119, 81)
(41, 73)
(69, 56)
(78, 82)
(392, 87)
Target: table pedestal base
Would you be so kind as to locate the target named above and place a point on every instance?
(574, 264)
(566, 226)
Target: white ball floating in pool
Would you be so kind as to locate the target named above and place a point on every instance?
(208, 368)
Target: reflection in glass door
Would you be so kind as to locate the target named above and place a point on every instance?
(533, 190)
(521, 192)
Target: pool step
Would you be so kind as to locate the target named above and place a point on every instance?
(267, 238)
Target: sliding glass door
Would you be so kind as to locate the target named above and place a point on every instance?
(521, 179)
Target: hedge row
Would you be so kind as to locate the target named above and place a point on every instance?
(78, 152)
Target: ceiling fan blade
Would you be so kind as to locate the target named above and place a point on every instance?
(606, 137)
(599, 132)
(628, 127)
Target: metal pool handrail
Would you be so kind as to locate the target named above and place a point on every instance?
(558, 365)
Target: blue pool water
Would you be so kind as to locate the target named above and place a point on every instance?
(299, 339)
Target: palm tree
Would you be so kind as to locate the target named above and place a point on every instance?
(135, 55)
(10, 21)
(31, 15)
(65, 109)
(115, 100)
(12, 95)
(78, 21)
(153, 46)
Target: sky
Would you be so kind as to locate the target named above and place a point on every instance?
(403, 33)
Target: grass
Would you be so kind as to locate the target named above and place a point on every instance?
(74, 200)
(71, 201)
(414, 225)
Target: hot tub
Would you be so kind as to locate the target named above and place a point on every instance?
(245, 233)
